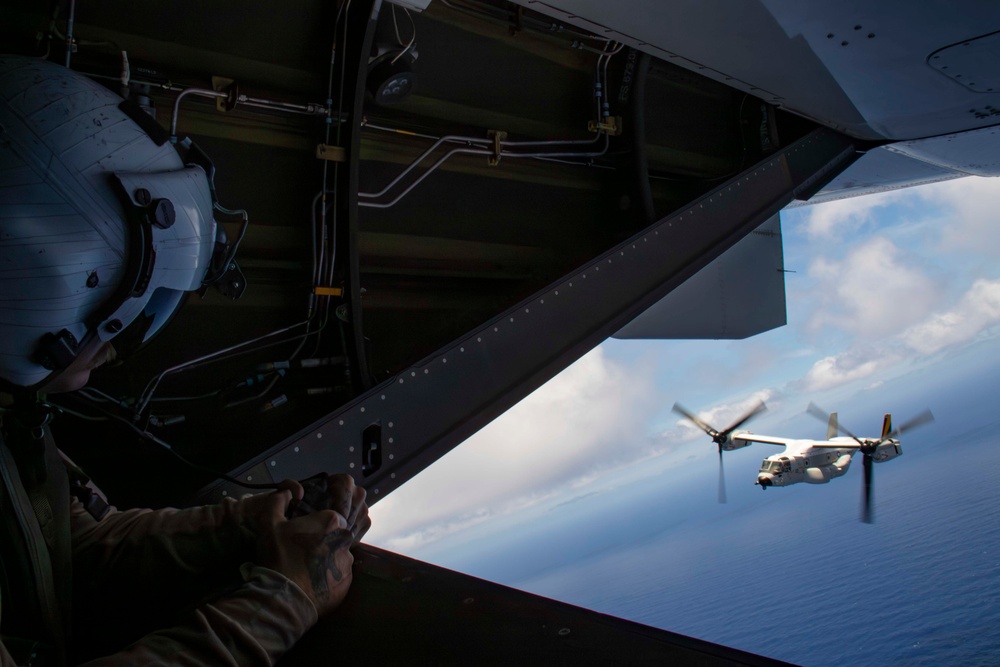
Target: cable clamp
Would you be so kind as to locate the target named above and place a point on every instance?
(331, 153)
(498, 137)
(612, 125)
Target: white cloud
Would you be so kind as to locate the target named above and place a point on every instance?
(719, 417)
(972, 207)
(884, 298)
(840, 369)
(976, 311)
(840, 218)
(586, 417)
(966, 211)
(875, 290)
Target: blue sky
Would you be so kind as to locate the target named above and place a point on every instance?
(894, 306)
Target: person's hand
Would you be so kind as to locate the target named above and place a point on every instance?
(338, 493)
(256, 510)
(312, 550)
(349, 499)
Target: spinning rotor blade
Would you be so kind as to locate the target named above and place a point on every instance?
(719, 438)
(818, 413)
(722, 479)
(924, 417)
(681, 410)
(868, 449)
(753, 412)
(866, 507)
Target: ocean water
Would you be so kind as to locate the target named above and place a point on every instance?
(794, 575)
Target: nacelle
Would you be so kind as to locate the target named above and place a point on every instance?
(733, 441)
(889, 449)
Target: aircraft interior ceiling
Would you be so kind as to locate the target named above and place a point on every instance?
(447, 233)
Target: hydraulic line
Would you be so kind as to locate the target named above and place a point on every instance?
(474, 151)
(277, 105)
(600, 74)
(481, 146)
(430, 170)
(413, 165)
(202, 92)
(69, 31)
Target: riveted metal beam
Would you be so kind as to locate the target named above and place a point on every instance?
(429, 408)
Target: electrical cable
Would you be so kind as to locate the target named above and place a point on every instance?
(413, 38)
(212, 357)
(165, 445)
(231, 255)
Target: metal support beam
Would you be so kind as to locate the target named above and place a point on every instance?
(398, 428)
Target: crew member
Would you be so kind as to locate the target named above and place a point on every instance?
(102, 227)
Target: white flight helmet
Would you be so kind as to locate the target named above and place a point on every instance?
(97, 221)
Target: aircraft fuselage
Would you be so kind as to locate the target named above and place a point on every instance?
(816, 462)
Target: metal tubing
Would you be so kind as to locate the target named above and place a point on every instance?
(203, 92)
(444, 139)
(431, 169)
(69, 30)
(600, 93)
(471, 151)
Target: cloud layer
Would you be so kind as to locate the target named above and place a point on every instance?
(977, 312)
(580, 421)
(873, 290)
(892, 306)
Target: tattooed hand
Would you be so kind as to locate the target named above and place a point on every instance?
(313, 551)
(334, 492)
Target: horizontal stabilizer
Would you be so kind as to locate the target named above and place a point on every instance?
(740, 294)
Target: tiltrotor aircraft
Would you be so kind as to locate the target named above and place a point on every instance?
(807, 460)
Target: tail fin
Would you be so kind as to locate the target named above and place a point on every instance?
(886, 426)
(831, 428)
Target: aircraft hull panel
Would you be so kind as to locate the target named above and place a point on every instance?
(402, 611)
(860, 67)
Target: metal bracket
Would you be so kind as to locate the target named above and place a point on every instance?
(331, 153)
(232, 90)
(232, 283)
(498, 137)
(612, 125)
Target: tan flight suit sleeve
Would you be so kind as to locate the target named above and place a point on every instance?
(144, 557)
(138, 543)
(252, 625)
